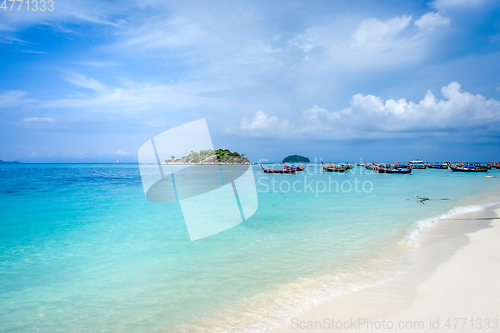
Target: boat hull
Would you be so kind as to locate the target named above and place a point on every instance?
(437, 166)
(460, 169)
(394, 171)
(276, 171)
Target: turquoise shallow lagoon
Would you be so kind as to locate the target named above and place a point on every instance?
(82, 249)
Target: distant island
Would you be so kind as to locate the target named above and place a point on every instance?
(7, 162)
(219, 156)
(296, 159)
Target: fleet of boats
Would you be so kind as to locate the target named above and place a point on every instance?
(395, 168)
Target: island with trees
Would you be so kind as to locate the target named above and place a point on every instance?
(209, 156)
(296, 159)
(7, 162)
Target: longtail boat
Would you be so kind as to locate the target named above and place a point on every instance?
(347, 166)
(296, 168)
(436, 166)
(414, 165)
(332, 168)
(397, 165)
(466, 168)
(479, 165)
(495, 165)
(339, 168)
(276, 171)
(394, 170)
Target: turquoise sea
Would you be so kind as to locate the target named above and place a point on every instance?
(83, 250)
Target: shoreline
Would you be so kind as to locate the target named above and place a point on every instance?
(454, 275)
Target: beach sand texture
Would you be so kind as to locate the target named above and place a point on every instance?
(454, 286)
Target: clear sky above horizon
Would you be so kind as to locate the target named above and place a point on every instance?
(91, 81)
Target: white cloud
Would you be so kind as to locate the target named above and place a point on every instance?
(13, 98)
(174, 33)
(39, 120)
(97, 64)
(131, 96)
(34, 52)
(87, 83)
(376, 31)
(432, 21)
(370, 116)
(262, 122)
(263, 125)
(12, 40)
(124, 153)
(371, 45)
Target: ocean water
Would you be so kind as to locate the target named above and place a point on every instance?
(82, 249)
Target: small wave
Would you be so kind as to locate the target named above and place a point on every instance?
(426, 223)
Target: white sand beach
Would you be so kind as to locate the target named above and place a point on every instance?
(454, 286)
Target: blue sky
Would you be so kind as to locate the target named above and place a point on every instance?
(338, 80)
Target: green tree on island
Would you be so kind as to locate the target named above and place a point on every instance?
(220, 155)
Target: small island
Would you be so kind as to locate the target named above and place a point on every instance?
(7, 162)
(219, 156)
(296, 159)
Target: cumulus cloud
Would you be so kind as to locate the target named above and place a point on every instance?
(262, 125)
(432, 21)
(370, 116)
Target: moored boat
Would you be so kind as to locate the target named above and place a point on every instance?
(397, 165)
(495, 165)
(347, 166)
(466, 168)
(436, 166)
(333, 168)
(394, 170)
(276, 171)
(296, 168)
(417, 165)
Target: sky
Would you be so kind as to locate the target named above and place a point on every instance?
(91, 81)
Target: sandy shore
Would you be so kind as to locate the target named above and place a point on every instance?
(454, 286)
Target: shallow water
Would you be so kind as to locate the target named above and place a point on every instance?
(82, 248)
